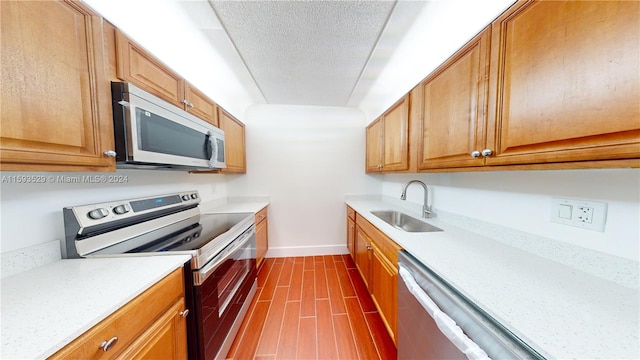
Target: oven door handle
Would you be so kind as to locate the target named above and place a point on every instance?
(201, 275)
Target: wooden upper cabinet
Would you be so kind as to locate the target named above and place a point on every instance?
(234, 140)
(565, 82)
(200, 105)
(136, 65)
(395, 154)
(374, 134)
(56, 108)
(388, 140)
(453, 108)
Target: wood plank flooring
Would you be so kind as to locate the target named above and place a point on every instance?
(313, 307)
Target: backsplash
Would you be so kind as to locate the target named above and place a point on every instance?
(15, 262)
(522, 200)
(32, 213)
(622, 271)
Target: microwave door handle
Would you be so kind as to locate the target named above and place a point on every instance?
(209, 144)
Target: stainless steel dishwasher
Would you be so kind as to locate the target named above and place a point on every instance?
(437, 322)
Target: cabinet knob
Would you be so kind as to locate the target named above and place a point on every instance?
(184, 313)
(475, 154)
(487, 152)
(108, 344)
(110, 153)
(184, 102)
(190, 105)
(379, 166)
(368, 247)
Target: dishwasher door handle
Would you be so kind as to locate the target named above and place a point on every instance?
(447, 326)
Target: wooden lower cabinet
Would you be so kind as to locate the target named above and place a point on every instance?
(262, 236)
(363, 255)
(351, 232)
(151, 326)
(164, 339)
(377, 261)
(384, 289)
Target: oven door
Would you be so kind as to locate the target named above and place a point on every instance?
(223, 290)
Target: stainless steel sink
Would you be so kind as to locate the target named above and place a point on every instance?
(404, 222)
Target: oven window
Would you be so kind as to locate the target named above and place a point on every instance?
(232, 278)
(160, 135)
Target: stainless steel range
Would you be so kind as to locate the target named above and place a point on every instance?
(220, 277)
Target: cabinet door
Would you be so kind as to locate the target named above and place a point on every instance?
(165, 339)
(363, 255)
(56, 108)
(375, 133)
(395, 154)
(565, 82)
(136, 65)
(234, 139)
(200, 105)
(384, 290)
(262, 241)
(454, 104)
(136, 323)
(351, 229)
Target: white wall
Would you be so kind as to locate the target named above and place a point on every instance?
(31, 214)
(306, 159)
(522, 200)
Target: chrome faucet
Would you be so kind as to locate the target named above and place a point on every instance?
(426, 209)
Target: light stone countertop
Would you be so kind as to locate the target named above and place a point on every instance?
(45, 308)
(560, 311)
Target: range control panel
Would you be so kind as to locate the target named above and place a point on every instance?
(95, 214)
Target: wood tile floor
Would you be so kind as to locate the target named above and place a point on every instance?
(313, 307)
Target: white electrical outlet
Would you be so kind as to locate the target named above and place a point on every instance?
(591, 215)
(585, 214)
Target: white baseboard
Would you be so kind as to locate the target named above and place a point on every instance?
(307, 251)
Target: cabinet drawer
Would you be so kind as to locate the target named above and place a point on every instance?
(351, 213)
(386, 246)
(261, 216)
(127, 323)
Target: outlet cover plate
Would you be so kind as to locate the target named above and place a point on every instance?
(571, 212)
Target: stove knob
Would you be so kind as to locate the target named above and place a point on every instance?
(121, 209)
(185, 197)
(97, 213)
(194, 196)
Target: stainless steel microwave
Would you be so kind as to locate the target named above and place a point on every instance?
(151, 133)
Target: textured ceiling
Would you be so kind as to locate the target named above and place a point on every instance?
(306, 52)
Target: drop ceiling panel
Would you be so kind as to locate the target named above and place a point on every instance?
(305, 52)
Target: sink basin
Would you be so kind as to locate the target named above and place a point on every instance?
(404, 222)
